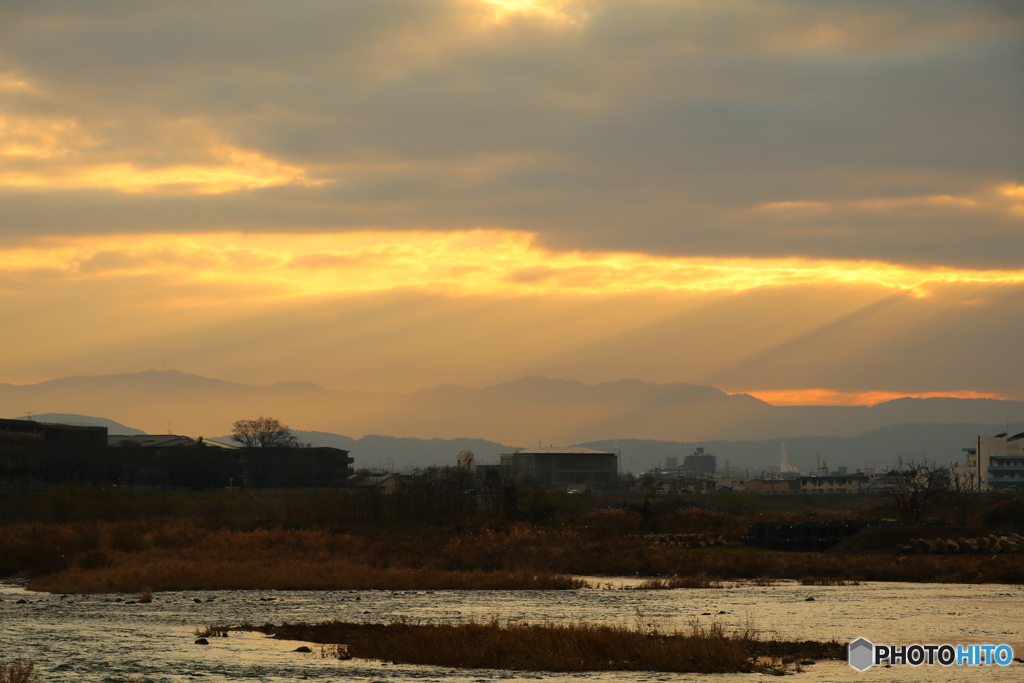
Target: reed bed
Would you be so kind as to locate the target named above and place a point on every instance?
(698, 581)
(763, 581)
(577, 646)
(826, 581)
(19, 671)
(178, 575)
(175, 554)
(213, 631)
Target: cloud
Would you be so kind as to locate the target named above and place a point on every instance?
(658, 127)
(811, 196)
(559, 12)
(56, 154)
(452, 264)
(409, 309)
(39, 138)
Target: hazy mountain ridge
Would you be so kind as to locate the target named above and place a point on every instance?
(874, 448)
(379, 451)
(521, 411)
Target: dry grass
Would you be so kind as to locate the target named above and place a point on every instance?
(702, 648)
(741, 563)
(212, 631)
(826, 581)
(19, 671)
(180, 574)
(175, 554)
(698, 581)
(763, 581)
(164, 555)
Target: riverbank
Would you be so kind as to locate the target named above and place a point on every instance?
(99, 541)
(177, 555)
(97, 638)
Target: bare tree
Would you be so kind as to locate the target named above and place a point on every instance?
(963, 495)
(917, 485)
(263, 432)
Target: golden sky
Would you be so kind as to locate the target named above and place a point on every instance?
(809, 202)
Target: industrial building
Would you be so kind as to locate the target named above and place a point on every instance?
(834, 483)
(21, 434)
(700, 464)
(38, 453)
(32, 452)
(1001, 459)
(564, 469)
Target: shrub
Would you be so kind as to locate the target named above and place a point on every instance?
(93, 559)
(212, 631)
(611, 522)
(1008, 515)
(18, 671)
(702, 521)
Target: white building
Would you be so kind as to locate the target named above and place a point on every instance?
(1002, 463)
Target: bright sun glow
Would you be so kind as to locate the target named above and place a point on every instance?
(831, 397)
(558, 11)
(503, 263)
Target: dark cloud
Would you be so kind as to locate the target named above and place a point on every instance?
(660, 127)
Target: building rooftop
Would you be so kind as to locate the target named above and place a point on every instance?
(575, 450)
(150, 440)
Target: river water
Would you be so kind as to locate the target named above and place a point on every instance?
(102, 638)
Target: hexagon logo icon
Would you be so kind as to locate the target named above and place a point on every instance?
(860, 654)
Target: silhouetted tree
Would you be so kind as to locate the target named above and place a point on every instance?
(963, 495)
(917, 485)
(263, 432)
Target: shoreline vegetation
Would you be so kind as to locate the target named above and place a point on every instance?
(94, 541)
(569, 647)
(19, 671)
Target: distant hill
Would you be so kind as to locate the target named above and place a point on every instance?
(71, 419)
(377, 451)
(876, 447)
(942, 443)
(523, 411)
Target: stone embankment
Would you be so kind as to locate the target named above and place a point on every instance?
(1007, 543)
(803, 536)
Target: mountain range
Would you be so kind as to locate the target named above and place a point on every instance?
(527, 411)
(876, 448)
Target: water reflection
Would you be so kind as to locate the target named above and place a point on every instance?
(104, 638)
